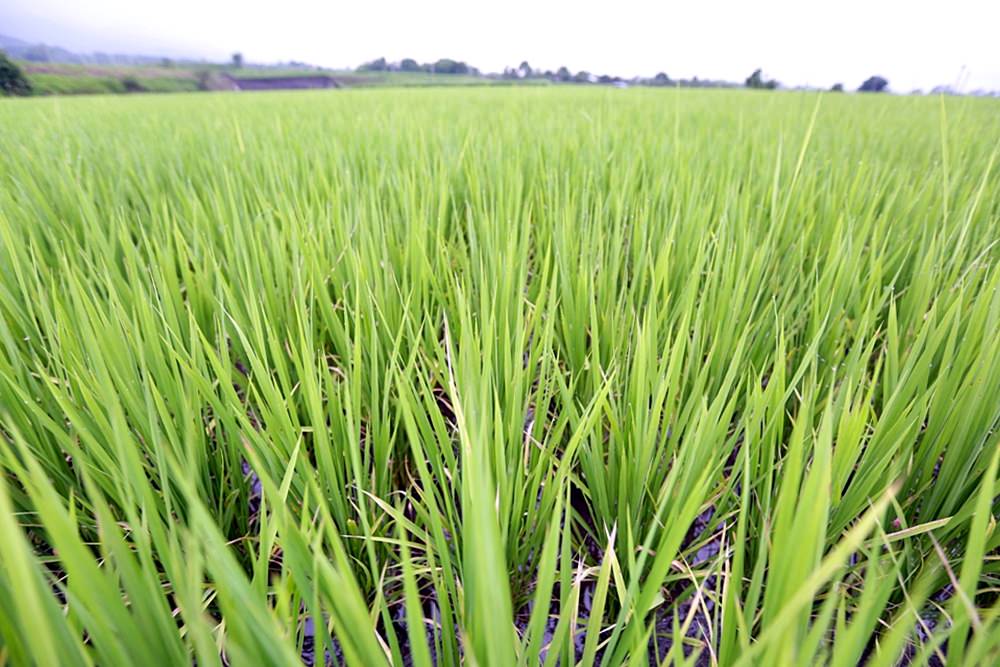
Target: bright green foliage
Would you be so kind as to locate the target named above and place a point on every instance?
(493, 353)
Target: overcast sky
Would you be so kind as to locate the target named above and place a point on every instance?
(913, 43)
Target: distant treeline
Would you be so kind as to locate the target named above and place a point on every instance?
(525, 71)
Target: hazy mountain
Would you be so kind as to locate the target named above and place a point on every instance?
(46, 53)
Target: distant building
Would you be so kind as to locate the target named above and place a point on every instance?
(281, 82)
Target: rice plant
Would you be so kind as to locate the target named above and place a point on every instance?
(500, 377)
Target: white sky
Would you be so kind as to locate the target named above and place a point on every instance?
(913, 43)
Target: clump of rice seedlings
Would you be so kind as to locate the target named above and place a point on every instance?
(499, 377)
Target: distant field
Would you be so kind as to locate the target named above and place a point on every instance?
(69, 79)
(145, 72)
(273, 72)
(520, 376)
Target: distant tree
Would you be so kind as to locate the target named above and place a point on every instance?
(166, 62)
(377, 65)
(562, 74)
(661, 79)
(12, 79)
(583, 76)
(757, 80)
(449, 66)
(409, 65)
(237, 60)
(837, 88)
(524, 70)
(874, 84)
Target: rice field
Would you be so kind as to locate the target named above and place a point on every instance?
(500, 377)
